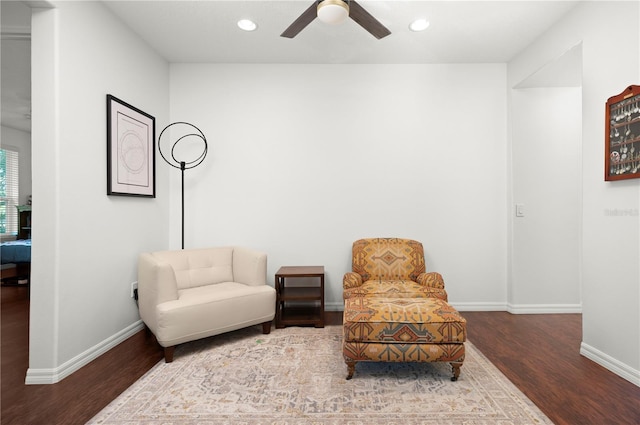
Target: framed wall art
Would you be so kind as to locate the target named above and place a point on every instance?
(131, 165)
(622, 135)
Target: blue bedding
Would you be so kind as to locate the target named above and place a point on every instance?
(15, 251)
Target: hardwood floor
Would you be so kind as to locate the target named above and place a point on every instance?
(538, 353)
(75, 399)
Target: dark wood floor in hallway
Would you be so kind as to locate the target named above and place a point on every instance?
(538, 353)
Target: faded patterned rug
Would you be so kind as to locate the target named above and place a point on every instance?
(296, 376)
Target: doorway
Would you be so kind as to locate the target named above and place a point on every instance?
(546, 176)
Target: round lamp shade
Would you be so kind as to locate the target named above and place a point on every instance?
(333, 11)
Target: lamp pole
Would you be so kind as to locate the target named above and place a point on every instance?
(184, 165)
(182, 168)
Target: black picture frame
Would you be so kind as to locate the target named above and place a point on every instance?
(622, 135)
(131, 161)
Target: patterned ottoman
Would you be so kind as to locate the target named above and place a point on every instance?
(402, 330)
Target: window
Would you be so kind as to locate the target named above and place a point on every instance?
(8, 192)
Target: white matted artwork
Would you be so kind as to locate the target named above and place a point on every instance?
(130, 150)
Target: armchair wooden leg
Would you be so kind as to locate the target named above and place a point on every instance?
(266, 328)
(168, 354)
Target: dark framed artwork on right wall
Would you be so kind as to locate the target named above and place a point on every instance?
(622, 135)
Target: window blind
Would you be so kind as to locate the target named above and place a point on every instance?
(9, 191)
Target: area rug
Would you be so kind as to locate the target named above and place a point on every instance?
(296, 376)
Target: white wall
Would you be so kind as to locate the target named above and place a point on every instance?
(306, 159)
(85, 243)
(20, 141)
(610, 246)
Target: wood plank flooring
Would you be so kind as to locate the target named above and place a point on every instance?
(538, 353)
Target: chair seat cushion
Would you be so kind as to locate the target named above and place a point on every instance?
(221, 292)
(211, 310)
(394, 289)
(402, 320)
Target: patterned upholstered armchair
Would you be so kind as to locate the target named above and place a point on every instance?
(391, 268)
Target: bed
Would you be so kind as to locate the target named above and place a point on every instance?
(16, 251)
(19, 253)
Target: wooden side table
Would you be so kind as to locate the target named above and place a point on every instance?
(306, 303)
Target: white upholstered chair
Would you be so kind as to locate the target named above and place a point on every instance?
(196, 293)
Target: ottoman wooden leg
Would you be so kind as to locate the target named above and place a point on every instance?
(351, 368)
(456, 370)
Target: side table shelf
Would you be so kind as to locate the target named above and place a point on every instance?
(299, 305)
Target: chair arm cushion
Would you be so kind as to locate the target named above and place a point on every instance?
(431, 279)
(249, 266)
(351, 280)
(156, 285)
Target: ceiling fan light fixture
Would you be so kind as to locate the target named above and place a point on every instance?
(333, 12)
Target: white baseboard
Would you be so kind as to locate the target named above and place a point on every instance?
(623, 370)
(544, 308)
(478, 306)
(519, 308)
(334, 306)
(51, 376)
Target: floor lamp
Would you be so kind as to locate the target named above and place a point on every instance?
(185, 132)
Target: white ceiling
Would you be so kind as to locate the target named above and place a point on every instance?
(460, 31)
(205, 31)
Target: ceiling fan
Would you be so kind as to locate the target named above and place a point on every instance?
(335, 11)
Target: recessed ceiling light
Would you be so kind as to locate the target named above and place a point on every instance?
(419, 25)
(247, 25)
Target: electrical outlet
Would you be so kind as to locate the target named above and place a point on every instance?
(134, 288)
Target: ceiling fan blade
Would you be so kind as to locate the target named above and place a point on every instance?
(367, 21)
(302, 21)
